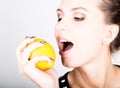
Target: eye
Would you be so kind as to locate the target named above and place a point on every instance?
(79, 18)
(59, 19)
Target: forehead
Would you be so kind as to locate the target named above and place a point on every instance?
(87, 4)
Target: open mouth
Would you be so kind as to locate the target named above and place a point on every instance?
(65, 45)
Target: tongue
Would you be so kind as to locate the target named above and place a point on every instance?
(67, 46)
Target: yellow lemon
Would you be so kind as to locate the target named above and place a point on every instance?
(45, 50)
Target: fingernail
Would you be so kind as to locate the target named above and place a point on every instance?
(32, 37)
(26, 37)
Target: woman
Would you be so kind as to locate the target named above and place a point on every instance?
(87, 33)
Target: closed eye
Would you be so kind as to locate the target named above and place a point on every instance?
(79, 18)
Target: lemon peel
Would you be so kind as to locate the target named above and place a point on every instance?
(45, 50)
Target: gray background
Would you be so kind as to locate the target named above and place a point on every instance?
(20, 18)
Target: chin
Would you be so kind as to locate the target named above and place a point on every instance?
(72, 62)
(67, 62)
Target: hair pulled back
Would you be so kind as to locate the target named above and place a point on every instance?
(111, 9)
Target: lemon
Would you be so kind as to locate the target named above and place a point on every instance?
(45, 50)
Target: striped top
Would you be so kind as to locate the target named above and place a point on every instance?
(63, 81)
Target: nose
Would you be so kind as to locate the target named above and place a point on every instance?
(62, 25)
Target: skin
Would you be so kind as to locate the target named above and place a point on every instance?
(82, 23)
(28, 67)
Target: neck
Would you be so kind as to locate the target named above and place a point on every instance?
(95, 74)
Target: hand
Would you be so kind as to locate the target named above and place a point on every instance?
(44, 79)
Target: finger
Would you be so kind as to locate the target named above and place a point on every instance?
(30, 65)
(20, 49)
(36, 74)
(24, 43)
(27, 51)
(22, 46)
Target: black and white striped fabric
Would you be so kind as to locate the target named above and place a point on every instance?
(63, 81)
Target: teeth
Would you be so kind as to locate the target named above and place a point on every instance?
(63, 40)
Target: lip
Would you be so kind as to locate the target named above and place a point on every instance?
(60, 45)
(63, 53)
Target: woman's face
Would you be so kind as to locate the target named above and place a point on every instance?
(79, 31)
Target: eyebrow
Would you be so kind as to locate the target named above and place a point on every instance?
(73, 9)
(59, 9)
(77, 8)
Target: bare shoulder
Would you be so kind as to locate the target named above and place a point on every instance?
(117, 76)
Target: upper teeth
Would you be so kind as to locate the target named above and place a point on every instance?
(63, 40)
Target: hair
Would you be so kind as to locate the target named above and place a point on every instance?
(111, 9)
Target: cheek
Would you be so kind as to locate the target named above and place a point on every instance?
(55, 32)
(88, 42)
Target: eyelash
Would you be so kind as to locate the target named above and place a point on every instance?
(75, 18)
(79, 18)
(59, 19)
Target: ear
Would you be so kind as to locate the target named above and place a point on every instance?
(111, 33)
